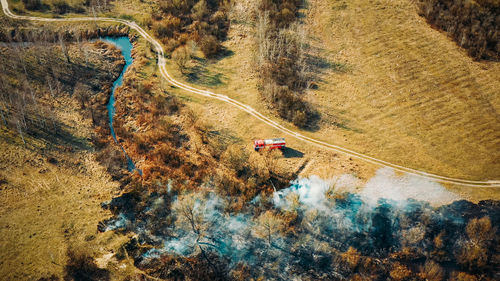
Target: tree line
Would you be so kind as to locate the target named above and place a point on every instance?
(281, 60)
(474, 25)
(63, 6)
(204, 22)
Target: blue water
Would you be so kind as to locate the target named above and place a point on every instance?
(122, 43)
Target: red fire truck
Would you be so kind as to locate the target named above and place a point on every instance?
(269, 144)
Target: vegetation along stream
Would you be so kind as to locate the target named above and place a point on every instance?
(123, 43)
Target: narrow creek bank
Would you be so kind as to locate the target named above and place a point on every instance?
(123, 43)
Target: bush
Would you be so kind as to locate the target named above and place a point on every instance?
(431, 271)
(200, 10)
(33, 4)
(209, 46)
(462, 276)
(166, 27)
(181, 57)
(474, 252)
(220, 25)
(281, 12)
(236, 157)
(300, 118)
(399, 272)
(61, 7)
(290, 105)
(82, 267)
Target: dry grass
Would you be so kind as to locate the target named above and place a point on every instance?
(408, 93)
(51, 192)
(390, 86)
(46, 208)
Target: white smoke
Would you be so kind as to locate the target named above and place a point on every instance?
(118, 223)
(325, 219)
(311, 191)
(386, 184)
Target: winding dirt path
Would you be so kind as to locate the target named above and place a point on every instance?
(162, 66)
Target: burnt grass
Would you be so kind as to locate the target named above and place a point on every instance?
(376, 242)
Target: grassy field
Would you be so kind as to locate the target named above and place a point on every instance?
(47, 208)
(408, 93)
(390, 86)
(52, 187)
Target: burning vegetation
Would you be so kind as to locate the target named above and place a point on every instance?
(321, 234)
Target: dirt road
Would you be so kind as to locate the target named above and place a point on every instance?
(162, 66)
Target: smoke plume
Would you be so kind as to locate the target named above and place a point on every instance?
(309, 230)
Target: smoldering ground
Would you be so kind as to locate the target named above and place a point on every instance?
(312, 230)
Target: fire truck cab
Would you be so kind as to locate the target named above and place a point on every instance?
(269, 144)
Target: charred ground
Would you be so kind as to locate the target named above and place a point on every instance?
(342, 237)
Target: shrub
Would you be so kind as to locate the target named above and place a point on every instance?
(61, 7)
(462, 276)
(236, 158)
(181, 57)
(431, 271)
(399, 272)
(82, 267)
(220, 25)
(200, 10)
(300, 118)
(33, 4)
(352, 257)
(290, 105)
(167, 26)
(209, 46)
(171, 44)
(474, 251)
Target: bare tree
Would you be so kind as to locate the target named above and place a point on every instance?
(263, 39)
(474, 252)
(49, 83)
(182, 57)
(63, 47)
(187, 208)
(267, 225)
(81, 93)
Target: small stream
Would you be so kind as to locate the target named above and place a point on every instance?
(123, 43)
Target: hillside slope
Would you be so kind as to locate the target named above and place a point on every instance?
(402, 91)
(389, 86)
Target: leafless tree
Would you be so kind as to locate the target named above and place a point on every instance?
(267, 225)
(188, 213)
(182, 56)
(63, 47)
